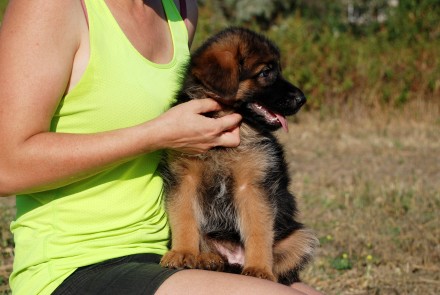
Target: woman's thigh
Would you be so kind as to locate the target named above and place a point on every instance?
(196, 282)
(142, 275)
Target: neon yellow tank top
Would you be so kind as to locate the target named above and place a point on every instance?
(119, 211)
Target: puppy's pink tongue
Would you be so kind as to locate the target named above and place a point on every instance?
(283, 122)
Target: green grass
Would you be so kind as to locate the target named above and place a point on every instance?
(3, 4)
(381, 67)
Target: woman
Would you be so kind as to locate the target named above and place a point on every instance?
(84, 88)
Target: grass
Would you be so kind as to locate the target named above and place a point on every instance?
(370, 190)
(7, 210)
(386, 66)
(3, 4)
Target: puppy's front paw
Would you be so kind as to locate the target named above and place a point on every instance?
(176, 259)
(259, 273)
(210, 261)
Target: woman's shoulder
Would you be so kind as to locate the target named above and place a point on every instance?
(42, 15)
(43, 25)
(38, 42)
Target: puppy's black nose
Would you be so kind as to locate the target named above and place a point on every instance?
(300, 100)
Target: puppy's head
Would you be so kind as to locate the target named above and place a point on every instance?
(241, 69)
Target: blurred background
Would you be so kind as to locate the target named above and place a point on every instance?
(364, 152)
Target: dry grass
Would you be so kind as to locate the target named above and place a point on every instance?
(369, 188)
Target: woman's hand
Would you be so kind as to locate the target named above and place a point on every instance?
(186, 129)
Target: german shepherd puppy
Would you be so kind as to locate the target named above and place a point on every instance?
(238, 197)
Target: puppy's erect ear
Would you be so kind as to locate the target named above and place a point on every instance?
(218, 70)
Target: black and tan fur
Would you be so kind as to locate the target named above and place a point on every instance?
(238, 196)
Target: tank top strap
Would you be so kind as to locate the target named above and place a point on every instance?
(176, 22)
(183, 9)
(85, 12)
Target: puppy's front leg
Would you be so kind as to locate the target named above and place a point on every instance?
(185, 235)
(256, 228)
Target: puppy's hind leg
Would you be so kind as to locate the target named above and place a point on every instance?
(292, 253)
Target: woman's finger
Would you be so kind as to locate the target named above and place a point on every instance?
(229, 121)
(205, 105)
(230, 138)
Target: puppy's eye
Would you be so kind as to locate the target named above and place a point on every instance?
(265, 73)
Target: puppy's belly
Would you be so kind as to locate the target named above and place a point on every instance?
(218, 216)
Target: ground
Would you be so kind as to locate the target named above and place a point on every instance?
(369, 188)
(371, 191)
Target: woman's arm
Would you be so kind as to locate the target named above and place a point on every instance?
(38, 43)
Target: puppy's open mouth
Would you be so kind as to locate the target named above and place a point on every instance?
(270, 117)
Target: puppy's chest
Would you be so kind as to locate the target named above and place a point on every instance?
(225, 170)
(221, 172)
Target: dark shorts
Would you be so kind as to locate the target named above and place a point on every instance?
(138, 274)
